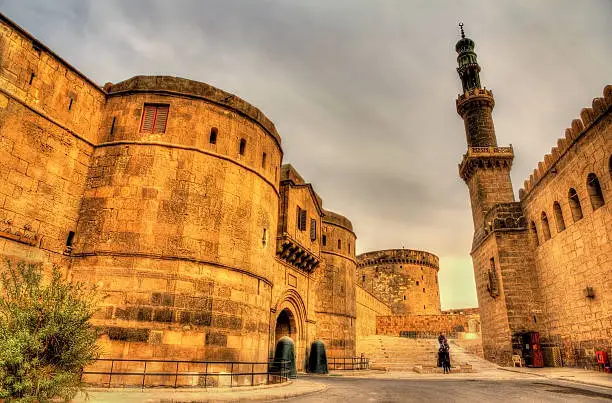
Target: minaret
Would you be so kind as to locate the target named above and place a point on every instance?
(485, 167)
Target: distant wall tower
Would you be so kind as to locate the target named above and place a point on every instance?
(503, 264)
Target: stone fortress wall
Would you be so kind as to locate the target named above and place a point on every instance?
(49, 118)
(404, 279)
(567, 203)
(452, 325)
(368, 309)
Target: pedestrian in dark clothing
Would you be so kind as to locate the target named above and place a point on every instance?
(441, 339)
(446, 359)
(440, 357)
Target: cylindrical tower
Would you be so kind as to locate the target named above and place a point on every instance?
(405, 279)
(335, 308)
(175, 222)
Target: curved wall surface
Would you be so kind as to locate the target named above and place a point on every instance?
(175, 229)
(335, 307)
(406, 280)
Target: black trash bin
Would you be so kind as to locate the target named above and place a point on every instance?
(317, 362)
(285, 351)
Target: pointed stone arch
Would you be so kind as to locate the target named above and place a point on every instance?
(289, 317)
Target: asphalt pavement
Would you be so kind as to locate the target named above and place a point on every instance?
(448, 389)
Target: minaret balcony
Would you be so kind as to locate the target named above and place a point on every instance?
(485, 157)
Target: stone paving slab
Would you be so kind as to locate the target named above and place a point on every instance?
(193, 395)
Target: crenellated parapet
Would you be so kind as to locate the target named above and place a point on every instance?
(588, 117)
(397, 256)
(474, 98)
(485, 157)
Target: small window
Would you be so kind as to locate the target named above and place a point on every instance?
(610, 166)
(423, 306)
(339, 244)
(363, 277)
(154, 118)
(404, 298)
(263, 160)
(213, 135)
(70, 103)
(417, 282)
(422, 277)
(242, 146)
(264, 237)
(70, 239)
(349, 247)
(423, 290)
(574, 203)
(313, 229)
(32, 78)
(534, 234)
(594, 189)
(112, 129)
(558, 216)
(324, 240)
(545, 226)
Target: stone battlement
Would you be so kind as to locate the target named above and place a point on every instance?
(398, 256)
(588, 117)
(476, 94)
(337, 219)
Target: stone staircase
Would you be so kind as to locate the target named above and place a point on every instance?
(419, 355)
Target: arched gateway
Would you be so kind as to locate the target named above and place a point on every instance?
(288, 319)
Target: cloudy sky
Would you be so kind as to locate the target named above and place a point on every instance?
(362, 92)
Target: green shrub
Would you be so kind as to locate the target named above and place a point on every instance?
(45, 335)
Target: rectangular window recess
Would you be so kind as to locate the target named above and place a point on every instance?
(154, 118)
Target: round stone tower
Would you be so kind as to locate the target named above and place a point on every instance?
(177, 221)
(335, 308)
(405, 279)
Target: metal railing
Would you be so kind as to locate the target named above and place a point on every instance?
(347, 363)
(175, 373)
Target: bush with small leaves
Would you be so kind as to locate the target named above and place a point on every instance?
(46, 338)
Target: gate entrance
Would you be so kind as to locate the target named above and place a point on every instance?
(285, 325)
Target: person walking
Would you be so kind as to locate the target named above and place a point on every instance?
(446, 359)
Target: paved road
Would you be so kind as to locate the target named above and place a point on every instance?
(344, 389)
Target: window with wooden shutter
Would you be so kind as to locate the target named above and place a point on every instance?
(301, 219)
(297, 217)
(313, 229)
(154, 118)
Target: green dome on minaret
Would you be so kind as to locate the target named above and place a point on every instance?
(468, 66)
